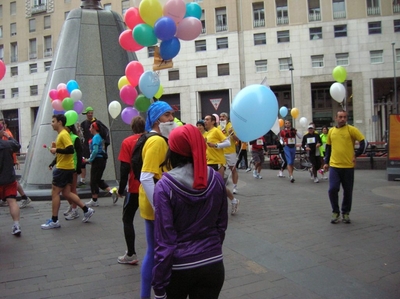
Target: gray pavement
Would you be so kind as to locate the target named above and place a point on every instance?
(279, 245)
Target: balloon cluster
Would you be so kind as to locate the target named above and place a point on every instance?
(294, 112)
(2, 69)
(66, 99)
(152, 22)
(337, 90)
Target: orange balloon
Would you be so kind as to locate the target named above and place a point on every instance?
(281, 122)
(294, 112)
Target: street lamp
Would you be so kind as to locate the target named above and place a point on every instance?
(394, 80)
(291, 69)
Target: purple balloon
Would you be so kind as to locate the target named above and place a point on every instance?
(128, 114)
(55, 112)
(78, 107)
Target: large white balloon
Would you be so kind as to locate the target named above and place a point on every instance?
(303, 122)
(338, 92)
(114, 108)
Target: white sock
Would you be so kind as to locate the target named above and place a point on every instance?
(234, 200)
(16, 223)
(234, 185)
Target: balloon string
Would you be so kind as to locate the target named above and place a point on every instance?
(112, 123)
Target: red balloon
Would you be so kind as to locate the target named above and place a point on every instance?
(127, 41)
(132, 17)
(133, 71)
(2, 69)
(62, 93)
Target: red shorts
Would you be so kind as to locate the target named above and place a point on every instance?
(8, 191)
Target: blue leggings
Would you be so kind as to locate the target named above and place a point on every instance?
(148, 261)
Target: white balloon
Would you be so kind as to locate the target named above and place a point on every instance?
(76, 95)
(303, 122)
(114, 108)
(338, 92)
(275, 128)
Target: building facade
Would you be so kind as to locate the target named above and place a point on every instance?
(290, 45)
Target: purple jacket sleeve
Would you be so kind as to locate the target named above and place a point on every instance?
(222, 222)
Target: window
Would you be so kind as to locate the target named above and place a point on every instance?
(48, 48)
(315, 33)
(340, 30)
(284, 64)
(260, 39)
(47, 65)
(397, 55)
(1, 52)
(14, 92)
(125, 6)
(2, 94)
(1, 31)
(38, 6)
(396, 25)
(201, 71)
(317, 61)
(261, 65)
(1, 11)
(258, 14)
(223, 69)
(47, 22)
(32, 68)
(314, 11)
(13, 29)
(107, 6)
(14, 52)
(373, 8)
(14, 71)
(374, 28)
(203, 22)
(173, 75)
(396, 6)
(283, 36)
(222, 43)
(342, 58)
(221, 19)
(282, 16)
(339, 9)
(376, 56)
(150, 51)
(34, 90)
(32, 25)
(200, 45)
(13, 8)
(32, 48)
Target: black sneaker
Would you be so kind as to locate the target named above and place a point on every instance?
(81, 184)
(335, 218)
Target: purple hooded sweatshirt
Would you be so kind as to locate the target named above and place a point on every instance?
(189, 224)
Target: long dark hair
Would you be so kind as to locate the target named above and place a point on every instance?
(173, 160)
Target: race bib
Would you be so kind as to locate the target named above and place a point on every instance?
(310, 140)
(259, 142)
(291, 141)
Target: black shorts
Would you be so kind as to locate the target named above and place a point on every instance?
(216, 167)
(62, 177)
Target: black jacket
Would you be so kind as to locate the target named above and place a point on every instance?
(7, 171)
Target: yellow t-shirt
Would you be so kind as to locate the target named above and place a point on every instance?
(153, 154)
(215, 155)
(342, 142)
(232, 148)
(64, 161)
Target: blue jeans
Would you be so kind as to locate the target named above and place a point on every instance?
(344, 176)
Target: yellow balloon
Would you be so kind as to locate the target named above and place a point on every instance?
(160, 92)
(294, 112)
(150, 11)
(122, 82)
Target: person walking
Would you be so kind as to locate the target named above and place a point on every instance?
(311, 143)
(258, 147)
(243, 156)
(282, 156)
(63, 173)
(324, 137)
(340, 159)
(131, 201)
(8, 182)
(191, 218)
(288, 135)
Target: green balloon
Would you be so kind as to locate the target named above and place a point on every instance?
(339, 73)
(72, 117)
(68, 104)
(142, 103)
(144, 35)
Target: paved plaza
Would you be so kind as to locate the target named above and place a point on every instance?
(281, 244)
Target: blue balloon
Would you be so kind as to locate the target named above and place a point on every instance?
(193, 10)
(283, 111)
(71, 85)
(55, 112)
(149, 83)
(170, 48)
(253, 112)
(165, 28)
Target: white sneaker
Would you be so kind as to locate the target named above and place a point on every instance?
(126, 259)
(92, 203)
(280, 174)
(234, 191)
(248, 169)
(16, 230)
(24, 202)
(316, 180)
(235, 206)
(254, 173)
(73, 215)
(87, 215)
(50, 224)
(259, 176)
(68, 211)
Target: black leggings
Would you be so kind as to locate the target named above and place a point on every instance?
(198, 283)
(96, 173)
(131, 204)
(242, 154)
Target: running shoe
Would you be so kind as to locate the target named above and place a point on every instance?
(346, 218)
(235, 206)
(67, 211)
(50, 224)
(335, 218)
(73, 215)
(16, 230)
(126, 259)
(316, 180)
(24, 202)
(87, 215)
(92, 203)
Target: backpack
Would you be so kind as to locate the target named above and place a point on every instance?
(136, 159)
(274, 162)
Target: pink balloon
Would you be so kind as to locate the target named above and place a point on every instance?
(127, 42)
(132, 17)
(188, 29)
(128, 114)
(61, 86)
(175, 9)
(57, 105)
(78, 107)
(2, 69)
(133, 71)
(53, 94)
(128, 94)
(62, 93)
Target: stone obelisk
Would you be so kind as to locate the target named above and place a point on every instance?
(87, 51)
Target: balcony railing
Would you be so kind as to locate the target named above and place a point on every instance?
(14, 58)
(373, 11)
(259, 23)
(48, 52)
(220, 28)
(312, 17)
(38, 8)
(282, 20)
(339, 14)
(203, 30)
(32, 55)
(396, 8)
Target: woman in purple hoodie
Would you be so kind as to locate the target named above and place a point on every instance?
(191, 217)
